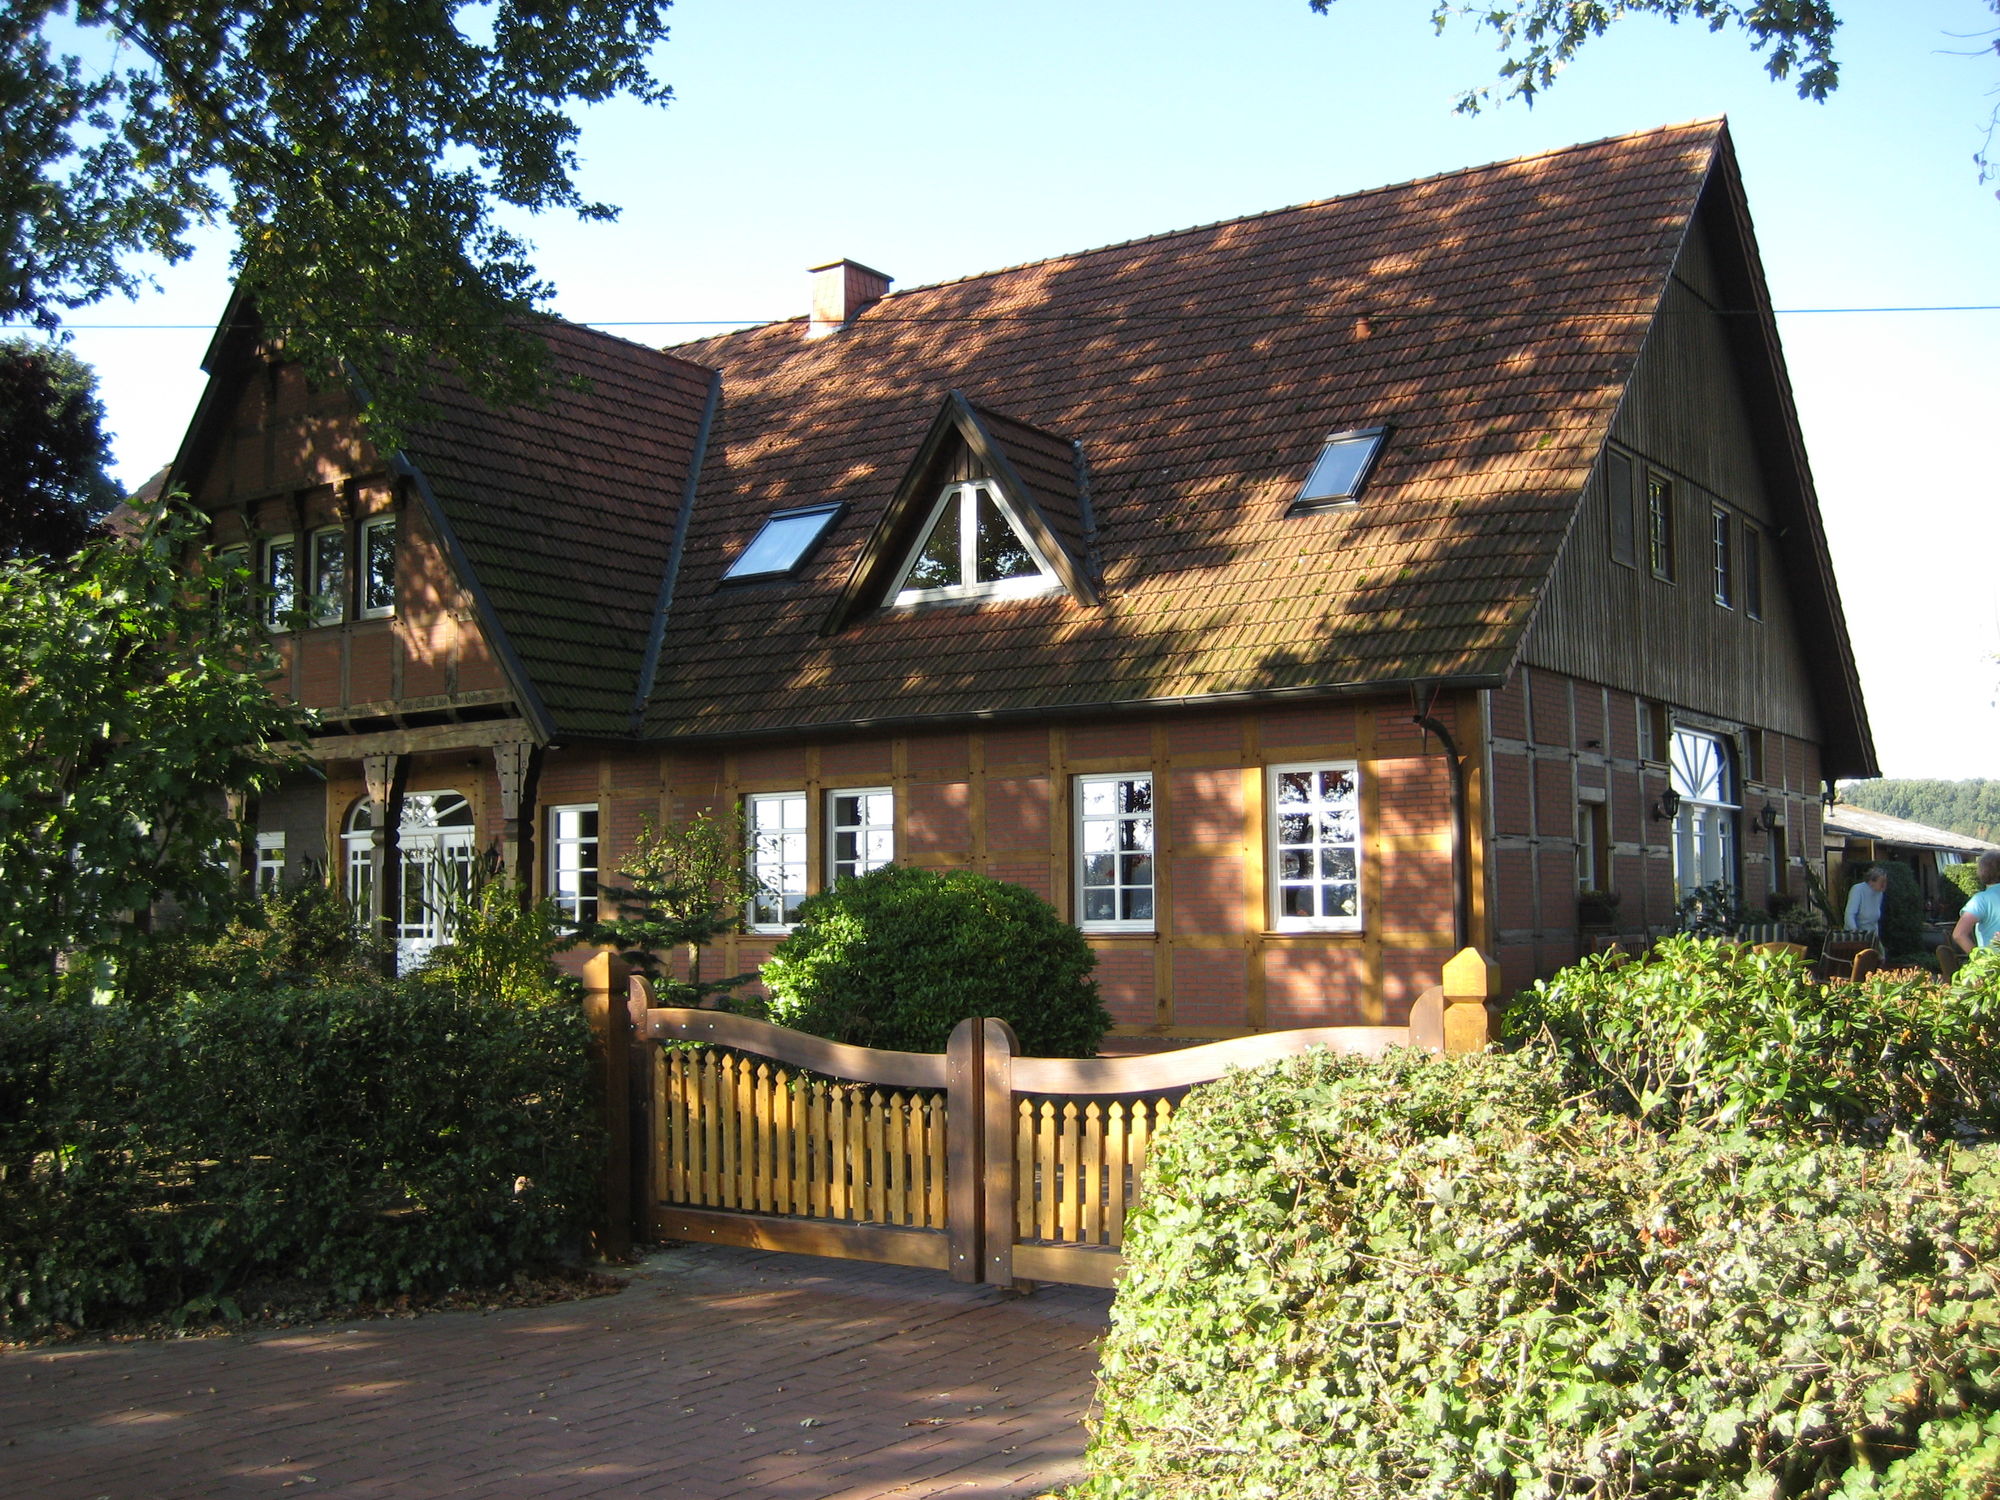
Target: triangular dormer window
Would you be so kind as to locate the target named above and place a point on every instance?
(973, 546)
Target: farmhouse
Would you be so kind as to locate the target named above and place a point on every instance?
(1291, 601)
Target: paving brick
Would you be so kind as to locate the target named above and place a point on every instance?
(648, 1393)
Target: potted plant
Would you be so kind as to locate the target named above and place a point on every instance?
(1597, 910)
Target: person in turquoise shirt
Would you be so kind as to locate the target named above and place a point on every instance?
(1980, 920)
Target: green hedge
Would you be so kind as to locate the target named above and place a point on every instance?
(1431, 1279)
(897, 957)
(372, 1140)
(1709, 1031)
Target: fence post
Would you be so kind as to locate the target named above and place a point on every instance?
(1470, 980)
(606, 982)
(996, 1140)
(965, 1119)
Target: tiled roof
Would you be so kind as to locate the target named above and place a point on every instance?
(1492, 316)
(566, 513)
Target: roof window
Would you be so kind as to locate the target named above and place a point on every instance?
(783, 542)
(1342, 469)
(973, 548)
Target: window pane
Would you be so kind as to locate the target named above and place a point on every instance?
(1000, 553)
(1337, 474)
(1100, 906)
(329, 576)
(1139, 905)
(1295, 786)
(1297, 901)
(938, 565)
(379, 564)
(281, 580)
(781, 542)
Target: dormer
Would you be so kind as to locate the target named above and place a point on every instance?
(989, 509)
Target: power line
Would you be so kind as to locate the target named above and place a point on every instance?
(1279, 315)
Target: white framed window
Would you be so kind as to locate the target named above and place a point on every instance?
(573, 861)
(1593, 843)
(270, 871)
(973, 548)
(860, 831)
(1700, 773)
(280, 578)
(436, 864)
(1114, 852)
(1722, 528)
(1660, 525)
(1315, 851)
(328, 578)
(378, 567)
(775, 827)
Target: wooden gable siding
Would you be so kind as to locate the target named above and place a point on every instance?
(1685, 415)
(296, 462)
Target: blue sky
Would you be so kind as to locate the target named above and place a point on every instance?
(934, 140)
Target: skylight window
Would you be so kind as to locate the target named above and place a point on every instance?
(1342, 469)
(973, 548)
(783, 542)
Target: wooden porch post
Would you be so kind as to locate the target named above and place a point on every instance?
(996, 1148)
(606, 988)
(386, 776)
(514, 764)
(1471, 979)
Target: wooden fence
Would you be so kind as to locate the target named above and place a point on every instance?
(977, 1161)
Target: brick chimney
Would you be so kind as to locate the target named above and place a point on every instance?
(839, 292)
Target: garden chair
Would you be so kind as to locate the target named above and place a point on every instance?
(1797, 950)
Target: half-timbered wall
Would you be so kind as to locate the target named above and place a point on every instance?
(1555, 744)
(999, 800)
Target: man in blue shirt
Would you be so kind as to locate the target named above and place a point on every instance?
(1980, 920)
(1864, 902)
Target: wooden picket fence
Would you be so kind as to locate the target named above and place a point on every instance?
(976, 1161)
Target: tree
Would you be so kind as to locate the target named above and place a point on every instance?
(54, 487)
(358, 151)
(134, 700)
(690, 885)
(1540, 37)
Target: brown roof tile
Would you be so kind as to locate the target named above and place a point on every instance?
(567, 511)
(1491, 315)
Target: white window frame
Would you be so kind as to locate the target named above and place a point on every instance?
(776, 854)
(278, 607)
(1705, 844)
(874, 840)
(364, 610)
(965, 494)
(1275, 847)
(573, 861)
(269, 872)
(327, 609)
(1121, 826)
(1722, 559)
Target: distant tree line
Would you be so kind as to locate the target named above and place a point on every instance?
(1968, 807)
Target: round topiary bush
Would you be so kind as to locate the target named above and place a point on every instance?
(1438, 1279)
(897, 957)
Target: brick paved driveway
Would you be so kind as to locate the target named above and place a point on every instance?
(717, 1373)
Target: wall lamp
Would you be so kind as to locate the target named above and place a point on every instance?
(1668, 805)
(1767, 818)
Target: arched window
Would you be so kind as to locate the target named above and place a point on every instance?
(436, 842)
(1705, 825)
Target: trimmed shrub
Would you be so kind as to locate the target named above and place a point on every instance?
(1714, 1033)
(1428, 1279)
(374, 1141)
(897, 957)
(299, 936)
(1960, 881)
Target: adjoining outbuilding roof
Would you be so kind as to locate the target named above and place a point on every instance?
(1490, 318)
(1843, 821)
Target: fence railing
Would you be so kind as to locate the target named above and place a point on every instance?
(976, 1161)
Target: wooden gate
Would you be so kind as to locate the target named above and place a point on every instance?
(976, 1161)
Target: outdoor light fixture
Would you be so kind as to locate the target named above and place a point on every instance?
(1767, 818)
(1668, 805)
